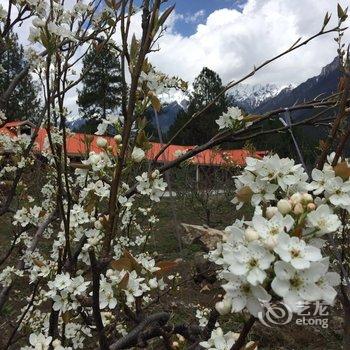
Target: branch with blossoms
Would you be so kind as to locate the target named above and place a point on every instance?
(66, 42)
(99, 283)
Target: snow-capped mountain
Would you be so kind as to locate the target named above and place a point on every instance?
(168, 114)
(257, 98)
(249, 97)
(323, 84)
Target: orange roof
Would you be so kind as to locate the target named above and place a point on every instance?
(17, 123)
(77, 144)
(10, 128)
(80, 144)
(207, 157)
(7, 131)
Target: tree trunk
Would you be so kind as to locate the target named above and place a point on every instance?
(346, 334)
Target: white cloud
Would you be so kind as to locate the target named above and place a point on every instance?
(232, 42)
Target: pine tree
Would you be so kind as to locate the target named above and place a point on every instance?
(206, 87)
(102, 86)
(23, 103)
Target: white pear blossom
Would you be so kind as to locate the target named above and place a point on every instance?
(219, 341)
(233, 118)
(296, 251)
(251, 261)
(107, 297)
(8, 274)
(39, 341)
(323, 220)
(338, 191)
(327, 282)
(153, 186)
(111, 120)
(269, 230)
(296, 286)
(243, 294)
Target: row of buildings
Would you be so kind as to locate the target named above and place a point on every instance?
(79, 145)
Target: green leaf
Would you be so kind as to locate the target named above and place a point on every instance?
(141, 139)
(133, 48)
(327, 17)
(341, 13)
(155, 101)
(165, 15)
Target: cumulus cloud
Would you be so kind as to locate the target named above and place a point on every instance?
(232, 42)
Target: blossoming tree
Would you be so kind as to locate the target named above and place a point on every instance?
(79, 245)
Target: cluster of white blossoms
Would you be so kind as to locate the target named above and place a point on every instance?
(72, 216)
(140, 278)
(64, 291)
(278, 252)
(159, 83)
(232, 119)
(224, 341)
(7, 275)
(111, 120)
(151, 185)
(59, 24)
(135, 276)
(98, 161)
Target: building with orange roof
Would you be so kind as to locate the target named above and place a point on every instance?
(79, 145)
(17, 128)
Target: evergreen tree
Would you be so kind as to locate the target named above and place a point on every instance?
(23, 103)
(102, 86)
(206, 87)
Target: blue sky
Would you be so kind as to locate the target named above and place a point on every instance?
(189, 8)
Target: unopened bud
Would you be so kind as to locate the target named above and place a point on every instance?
(155, 174)
(137, 155)
(101, 142)
(271, 211)
(251, 235)
(153, 283)
(296, 198)
(307, 198)
(56, 344)
(223, 307)
(270, 242)
(98, 225)
(298, 209)
(284, 206)
(311, 206)
(118, 138)
(181, 338)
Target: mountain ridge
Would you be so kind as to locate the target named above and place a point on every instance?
(258, 98)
